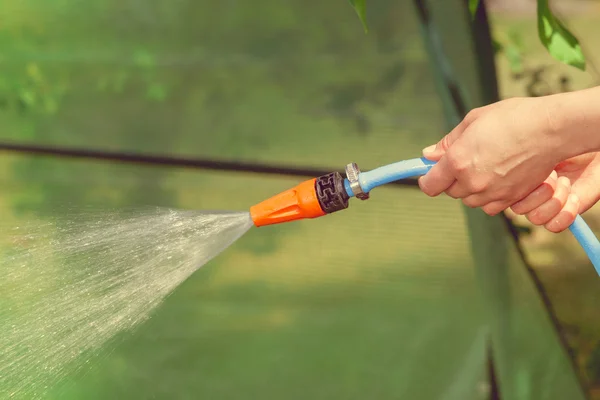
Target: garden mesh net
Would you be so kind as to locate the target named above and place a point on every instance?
(389, 299)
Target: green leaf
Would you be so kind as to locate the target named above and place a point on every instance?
(361, 10)
(561, 43)
(473, 4)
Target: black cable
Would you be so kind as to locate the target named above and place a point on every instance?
(173, 161)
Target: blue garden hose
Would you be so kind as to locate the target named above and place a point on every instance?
(420, 166)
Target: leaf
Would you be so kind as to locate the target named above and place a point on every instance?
(473, 4)
(361, 10)
(561, 43)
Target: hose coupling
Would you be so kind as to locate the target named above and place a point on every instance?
(352, 172)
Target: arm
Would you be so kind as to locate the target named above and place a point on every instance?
(574, 118)
(502, 152)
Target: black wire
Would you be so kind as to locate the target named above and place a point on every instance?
(178, 162)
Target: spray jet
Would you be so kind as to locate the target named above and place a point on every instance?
(330, 193)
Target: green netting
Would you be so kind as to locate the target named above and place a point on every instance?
(531, 360)
(381, 301)
(369, 302)
(261, 82)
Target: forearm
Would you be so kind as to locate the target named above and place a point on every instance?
(574, 117)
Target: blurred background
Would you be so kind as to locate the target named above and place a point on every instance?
(382, 301)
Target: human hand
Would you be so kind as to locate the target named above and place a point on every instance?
(572, 188)
(498, 154)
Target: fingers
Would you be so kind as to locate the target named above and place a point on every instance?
(495, 207)
(587, 191)
(457, 191)
(550, 209)
(551, 204)
(566, 216)
(437, 180)
(539, 196)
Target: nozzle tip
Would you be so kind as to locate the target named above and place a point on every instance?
(293, 204)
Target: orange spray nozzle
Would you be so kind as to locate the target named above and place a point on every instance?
(310, 199)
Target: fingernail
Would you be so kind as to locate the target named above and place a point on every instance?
(429, 149)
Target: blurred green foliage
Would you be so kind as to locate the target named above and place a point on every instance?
(557, 39)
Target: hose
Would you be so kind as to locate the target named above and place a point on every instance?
(420, 166)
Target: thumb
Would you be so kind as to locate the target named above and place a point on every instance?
(436, 151)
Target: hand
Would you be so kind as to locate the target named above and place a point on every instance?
(572, 188)
(498, 154)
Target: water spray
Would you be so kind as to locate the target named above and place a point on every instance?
(331, 193)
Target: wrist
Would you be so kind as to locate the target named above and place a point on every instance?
(573, 121)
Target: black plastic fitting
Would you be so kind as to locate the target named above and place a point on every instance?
(331, 193)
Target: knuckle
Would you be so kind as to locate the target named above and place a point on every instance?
(517, 209)
(533, 218)
(454, 162)
(458, 166)
(470, 202)
(505, 194)
(424, 186)
(491, 209)
(545, 193)
(424, 189)
(472, 115)
(451, 194)
(445, 142)
(477, 185)
(456, 191)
